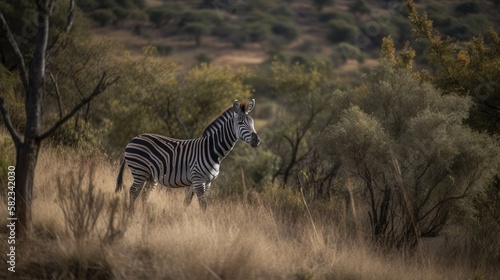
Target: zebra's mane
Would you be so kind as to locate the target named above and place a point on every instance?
(222, 118)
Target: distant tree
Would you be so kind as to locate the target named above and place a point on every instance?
(197, 30)
(287, 30)
(467, 8)
(340, 30)
(345, 51)
(103, 16)
(163, 15)
(320, 4)
(359, 7)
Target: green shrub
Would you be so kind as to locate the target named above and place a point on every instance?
(162, 15)
(467, 8)
(203, 58)
(340, 30)
(345, 51)
(327, 16)
(103, 16)
(256, 32)
(197, 29)
(164, 50)
(287, 30)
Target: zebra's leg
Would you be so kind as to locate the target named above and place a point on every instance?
(135, 189)
(148, 189)
(189, 196)
(199, 189)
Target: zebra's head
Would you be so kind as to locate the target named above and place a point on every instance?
(244, 128)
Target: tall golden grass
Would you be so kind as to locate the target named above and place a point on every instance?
(266, 235)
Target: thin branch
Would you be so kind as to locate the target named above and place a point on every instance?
(20, 59)
(58, 93)
(71, 16)
(8, 123)
(67, 28)
(100, 88)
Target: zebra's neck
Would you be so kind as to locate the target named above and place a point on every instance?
(221, 136)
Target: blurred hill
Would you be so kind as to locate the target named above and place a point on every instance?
(232, 32)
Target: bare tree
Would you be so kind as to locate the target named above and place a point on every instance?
(33, 76)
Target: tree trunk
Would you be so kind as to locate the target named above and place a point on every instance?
(26, 160)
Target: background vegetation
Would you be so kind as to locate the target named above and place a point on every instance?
(379, 121)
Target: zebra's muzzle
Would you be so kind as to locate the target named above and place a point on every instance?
(255, 141)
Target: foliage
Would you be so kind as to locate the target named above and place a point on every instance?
(163, 15)
(287, 30)
(359, 7)
(320, 4)
(104, 16)
(340, 30)
(468, 69)
(197, 29)
(345, 51)
(404, 144)
(301, 90)
(467, 8)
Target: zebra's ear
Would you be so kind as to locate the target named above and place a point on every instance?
(251, 105)
(236, 106)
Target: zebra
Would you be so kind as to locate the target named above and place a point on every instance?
(192, 163)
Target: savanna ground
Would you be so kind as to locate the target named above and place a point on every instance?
(82, 231)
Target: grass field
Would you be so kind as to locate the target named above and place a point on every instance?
(266, 235)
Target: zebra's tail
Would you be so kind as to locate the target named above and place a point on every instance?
(119, 181)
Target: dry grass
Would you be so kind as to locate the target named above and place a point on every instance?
(233, 239)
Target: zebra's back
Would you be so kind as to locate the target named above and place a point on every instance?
(164, 159)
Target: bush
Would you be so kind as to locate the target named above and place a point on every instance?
(203, 58)
(327, 16)
(345, 51)
(359, 7)
(288, 30)
(406, 145)
(256, 32)
(467, 8)
(340, 30)
(197, 29)
(103, 16)
(164, 50)
(162, 15)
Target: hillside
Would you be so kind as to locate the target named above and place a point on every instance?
(347, 33)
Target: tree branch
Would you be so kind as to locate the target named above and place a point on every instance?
(67, 28)
(58, 93)
(20, 59)
(8, 123)
(100, 88)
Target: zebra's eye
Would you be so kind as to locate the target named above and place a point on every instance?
(240, 122)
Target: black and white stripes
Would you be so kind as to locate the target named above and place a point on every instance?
(192, 163)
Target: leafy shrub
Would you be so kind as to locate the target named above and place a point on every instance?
(203, 58)
(359, 7)
(256, 32)
(103, 16)
(401, 140)
(162, 15)
(467, 8)
(340, 30)
(197, 29)
(164, 50)
(345, 51)
(327, 16)
(287, 30)
(283, 11)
